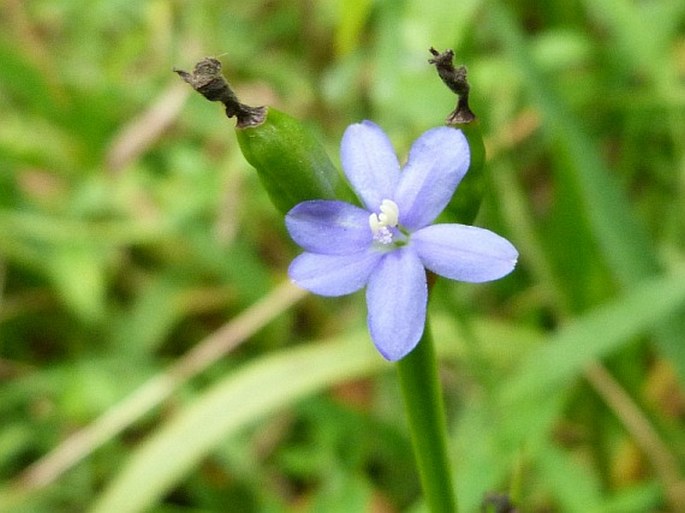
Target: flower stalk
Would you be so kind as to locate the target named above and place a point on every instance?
(423, 403)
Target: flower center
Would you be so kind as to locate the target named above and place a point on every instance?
(382, 224)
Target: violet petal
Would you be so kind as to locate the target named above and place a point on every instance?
(329, 227)
(396, 298)
(369, 162)
(438, 160)
(333, 275)
(464, 253)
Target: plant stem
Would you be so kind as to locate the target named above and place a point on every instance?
(423, 402)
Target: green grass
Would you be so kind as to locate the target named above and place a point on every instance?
(153, 356)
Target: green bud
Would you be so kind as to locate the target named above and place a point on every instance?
(291, 163)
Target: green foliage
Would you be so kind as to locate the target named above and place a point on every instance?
(138, 250)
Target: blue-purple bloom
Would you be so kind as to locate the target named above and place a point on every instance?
(387, 245)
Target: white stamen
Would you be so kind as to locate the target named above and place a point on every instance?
(374, 223)
(390, 213)
(380, 224)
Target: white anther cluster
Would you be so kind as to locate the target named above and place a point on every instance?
(381, 223)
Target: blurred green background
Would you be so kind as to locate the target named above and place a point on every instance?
(136, 372)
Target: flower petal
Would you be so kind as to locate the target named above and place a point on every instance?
(369, 162)
(329, 227)
(464, 253)
(396, 298)
(333, 275)
(438, 160)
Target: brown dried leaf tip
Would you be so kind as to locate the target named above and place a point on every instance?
(455, 79)
(207, 80)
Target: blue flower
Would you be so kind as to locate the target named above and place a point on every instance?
(388, 245)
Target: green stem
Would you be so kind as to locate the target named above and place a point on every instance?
(423, 402)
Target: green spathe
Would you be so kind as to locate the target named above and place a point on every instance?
(292, 164)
